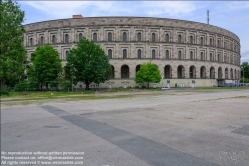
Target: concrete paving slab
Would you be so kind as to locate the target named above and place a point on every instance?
(193, 128)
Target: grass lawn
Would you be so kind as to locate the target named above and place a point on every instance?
(104, 94)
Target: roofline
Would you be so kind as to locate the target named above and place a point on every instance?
(134, 17)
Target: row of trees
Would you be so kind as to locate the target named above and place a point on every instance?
(244, 72)
(12, 52)
(87, 62)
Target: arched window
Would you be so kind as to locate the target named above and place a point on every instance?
(212, 73)
(219, 72)
(179, 38)
(124, 37)
(167, 38)
(218, 43)
(191, 39)
(139, 36)
(235, 74)
(167, 54)
(202, 57)
(95, 39)
(110, 54)
(109, 36)
(192, 72)
(153, 37)
(224, 44)
(112, 75)
(203, 72)
(137, 68)
(231, 73)
(124, 53)
(179, 55)
(202, 42)
(67, 38)
(54, 39)
(211, 42)
(124, 72)
(139, 54)
(180, 72)
(31, 41)
(42, 40)
(67, 54)
(153, 54)
(226, 73)
(167, 71)
(80, 36)
(191, 55)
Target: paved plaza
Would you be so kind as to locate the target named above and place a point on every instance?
(171, 129)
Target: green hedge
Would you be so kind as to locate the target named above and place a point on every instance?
(29, 86)
(246, 80)
(66, 85)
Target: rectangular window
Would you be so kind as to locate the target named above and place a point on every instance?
(95, 37)
(139, 37)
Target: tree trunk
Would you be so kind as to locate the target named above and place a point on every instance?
(46, 86)
(41, 87)
(87, 85)
(2, 85)
(147, 84)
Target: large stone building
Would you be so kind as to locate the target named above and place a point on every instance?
(185, 52)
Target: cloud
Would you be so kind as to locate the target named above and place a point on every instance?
(65, 9)
(55, 9)
(168, 7)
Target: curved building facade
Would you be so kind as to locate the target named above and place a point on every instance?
(187, 53)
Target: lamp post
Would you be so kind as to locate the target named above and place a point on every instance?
(162, 80)
(72, 84)
(243, 77)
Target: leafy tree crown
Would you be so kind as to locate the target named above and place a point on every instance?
(148, 73)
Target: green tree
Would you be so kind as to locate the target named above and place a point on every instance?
(67, 73)
(244, 71)
(88, 63)
(148, 73)
(46, 66)
(12, 51)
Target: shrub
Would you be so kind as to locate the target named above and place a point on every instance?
(26, 86)
(66, 85)
(4, 92)
(246, 80)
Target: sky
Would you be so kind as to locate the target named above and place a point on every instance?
(230, 15)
